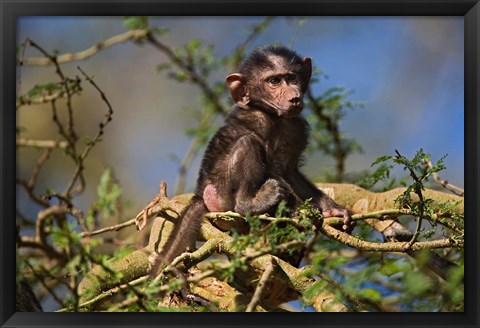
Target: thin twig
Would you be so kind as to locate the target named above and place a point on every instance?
(38, 100)
(64, 80)
(92, 143)
(118, 306)
(115, 227)
(31, 242)
(56, 120)
(260, 287)
(23, 142)
(106, 294)
(54, 210)
(69, 134)
(190, 70)
(41, 279)
(20, 64)
(154, 208)
(31, 194)
(363, 245)
(278, 249)
(256, 30)
(444, 183)
(134, 35)
(26, 99)
(296, 29)
(421, 204)
(38, 166)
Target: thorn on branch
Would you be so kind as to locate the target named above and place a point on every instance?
(142, 217)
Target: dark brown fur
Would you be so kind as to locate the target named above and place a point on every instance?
(251, 163)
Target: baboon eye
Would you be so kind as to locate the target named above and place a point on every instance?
(274, 80)
(291, 77)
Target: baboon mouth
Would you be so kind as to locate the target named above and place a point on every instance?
(293, 110)
(297, 107)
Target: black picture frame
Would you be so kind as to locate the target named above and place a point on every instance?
(10, 10)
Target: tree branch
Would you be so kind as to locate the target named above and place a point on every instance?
(260, 287)
(351, 241)
(134, 35)
(23, 142)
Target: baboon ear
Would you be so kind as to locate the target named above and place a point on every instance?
(238, 89)
(307, 64)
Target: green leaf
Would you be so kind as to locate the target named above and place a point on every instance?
(282, 209)
(314, 290)
(438, 166)
(391, 267)
(109, 193)
(381, 173)
(136, 22)
(193, 46)
(417, 284)
(370, 294)
(382, 159)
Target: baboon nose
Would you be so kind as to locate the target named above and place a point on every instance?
(295, 100)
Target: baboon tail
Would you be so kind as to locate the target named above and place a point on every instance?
(184, 234)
